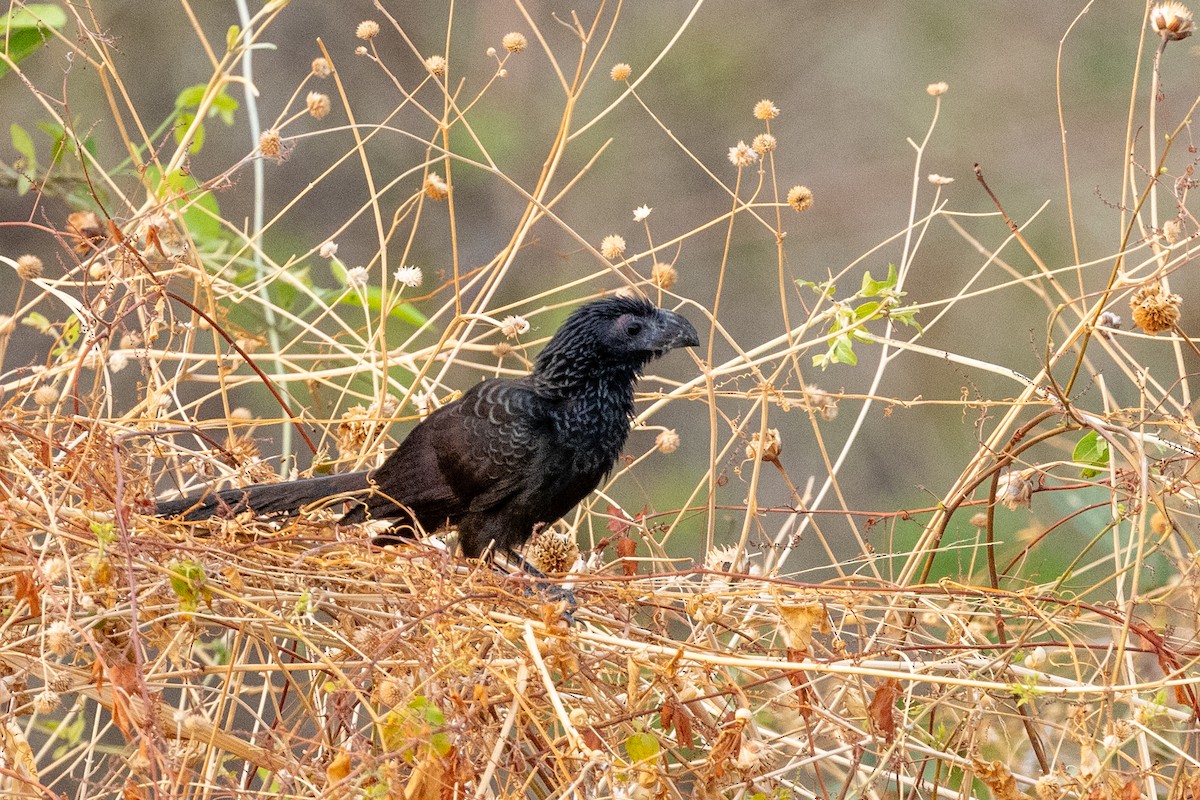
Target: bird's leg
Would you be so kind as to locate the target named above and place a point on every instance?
(545, 585)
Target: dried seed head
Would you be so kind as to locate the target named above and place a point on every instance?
(29, 267)
(357, 277)
(1107, 322)
(667, 441)
(940, 180)
(612, 246)
(979, 520)
(1173, 230)
(1155, 309)
(270, 144)
(1172, 21)
(552, 552)
(60, 638)
(367, 29)
(514, 42)
(357, 428)
(321, 68)
(436, 65)
(328, 249)
(502, 350)
(763, 143)
(1015, 489)
(360, 51)
(937, 89)
(620, 72)
(513, 326)
(742, 155)
(663, 275)
(822, 402)
(318, 105)
(46, 701)
(45, 395)
(765, 110)
(800, 198)
(409, 276)
(765, 448)
(436, 187)
(87, 229)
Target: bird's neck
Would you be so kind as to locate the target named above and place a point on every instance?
(594, 415)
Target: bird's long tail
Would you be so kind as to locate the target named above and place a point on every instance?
(267, 499)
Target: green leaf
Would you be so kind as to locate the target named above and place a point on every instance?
(186, 119)
(874, 288)
(28, 28)
(1092, 449)
(224, 106)
(38, 322)
(405, 312)
(842, 351)
(188, 582)
(642, 747)
(202, 215)
(23, 144)
(866, 310)
(191, 96)
(825, 288)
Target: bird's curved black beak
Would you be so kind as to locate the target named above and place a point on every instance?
(674, 331)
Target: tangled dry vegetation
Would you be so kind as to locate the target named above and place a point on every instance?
(143, 657)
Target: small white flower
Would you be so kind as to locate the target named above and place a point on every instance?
(357, 277)
(408, 276)
(329, 249)
(940, 180)
(742, 155)
(641, 212)
(513, 326)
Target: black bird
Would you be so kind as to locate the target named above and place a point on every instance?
(510, 455)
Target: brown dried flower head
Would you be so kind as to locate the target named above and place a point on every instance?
(663, 275)
(620, 72)
(763, 143)
(86, 227)
(765, 110)
(765, 448)
(1155, 309)
(45, 395)
(436, 187)
(29, 267)
(552, 552)
(667, 441)
(612, 246)
(514, 42)
(800, 198)
(270, 144)
(367, 29)
(1172, 21)
(318, 105)
(321, 68)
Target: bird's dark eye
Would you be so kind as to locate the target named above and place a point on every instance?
(633, 328)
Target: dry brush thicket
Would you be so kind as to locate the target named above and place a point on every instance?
(143, 657)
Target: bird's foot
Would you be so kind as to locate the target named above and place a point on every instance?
(557, 593)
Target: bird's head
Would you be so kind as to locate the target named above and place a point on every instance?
(616, 333)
